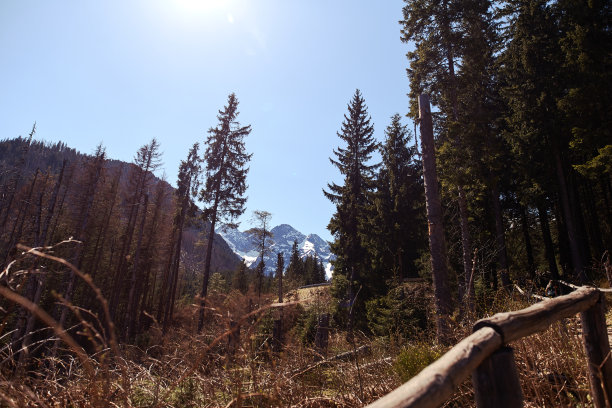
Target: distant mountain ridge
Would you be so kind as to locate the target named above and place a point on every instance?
(283, 236)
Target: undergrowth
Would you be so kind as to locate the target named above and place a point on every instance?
(183, 369)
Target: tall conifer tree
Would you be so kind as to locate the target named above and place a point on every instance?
(226, 171)
(354, 196)
(398, 222)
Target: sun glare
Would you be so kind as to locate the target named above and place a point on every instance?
(201, 6)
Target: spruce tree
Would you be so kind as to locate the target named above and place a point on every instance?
(398, 220)
(225, 186)
(295, 270)
(240, 280)
(353, 197)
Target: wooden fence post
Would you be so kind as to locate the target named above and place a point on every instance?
(597, 349)
(496, 382)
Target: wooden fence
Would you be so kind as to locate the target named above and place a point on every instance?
(486, 356)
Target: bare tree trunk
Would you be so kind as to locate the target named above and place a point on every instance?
(133, 300)
(118, 280)
(500, 238)
(548, 243)
(60, 208)
(569, 220)
(437, 243)
(166, 278)
(40, 281)
(42, 238)
(23, 164)
(39, 209)
(466, 243)
(20, 219)
(77, 260)
(211, 237)
(527, 239)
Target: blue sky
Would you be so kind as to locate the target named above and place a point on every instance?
(122, 72)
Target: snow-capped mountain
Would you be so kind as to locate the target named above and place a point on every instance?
(283, 236)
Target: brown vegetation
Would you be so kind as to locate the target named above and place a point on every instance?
(181, 369)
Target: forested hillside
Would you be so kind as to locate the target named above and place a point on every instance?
(118, 220)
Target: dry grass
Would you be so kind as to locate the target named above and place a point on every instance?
(182, 369)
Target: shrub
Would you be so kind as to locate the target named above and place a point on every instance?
(402, 312)
(414, 358)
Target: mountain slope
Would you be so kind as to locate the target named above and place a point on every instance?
(283, 236)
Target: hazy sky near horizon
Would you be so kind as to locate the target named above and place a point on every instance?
(121, 72)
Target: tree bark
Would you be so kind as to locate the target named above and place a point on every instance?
(466, 243)
(136, 277)
(437, 243)
(577, 260)
(528, 248)
(500, 238)
(548, 243)
(211, 237)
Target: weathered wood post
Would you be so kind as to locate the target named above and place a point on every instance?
(597, 349)
(496, 381)
(437, 245)
(322, 335)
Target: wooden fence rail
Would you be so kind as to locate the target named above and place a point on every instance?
(484, 355)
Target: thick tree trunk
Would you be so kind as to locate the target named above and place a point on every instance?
(594, 220)
(577, 260)
(437, 243)
(500, 238)
(166, 278)
(211, 237)
(466, 243)
(548, 243)
(564, 247)
(528, 248)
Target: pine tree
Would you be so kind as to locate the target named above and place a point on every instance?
(187, 188)
(348, 224)
(295, 269)
(240, 279)
(226, 171)
(398, 220)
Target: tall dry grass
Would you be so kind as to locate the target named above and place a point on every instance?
(182, 369)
